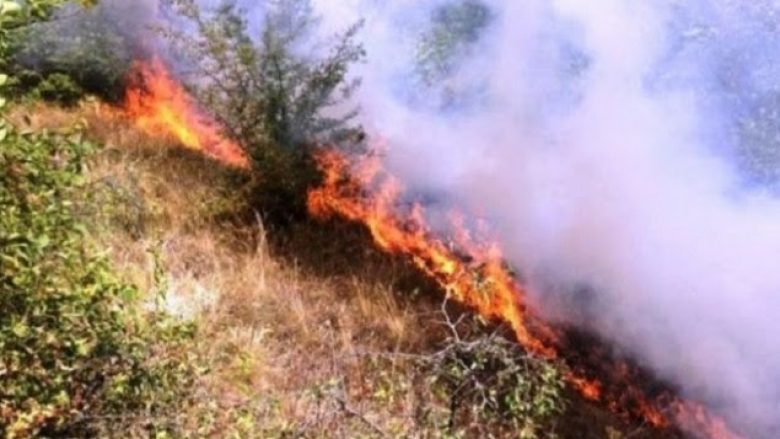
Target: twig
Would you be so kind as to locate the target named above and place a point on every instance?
(355, 414)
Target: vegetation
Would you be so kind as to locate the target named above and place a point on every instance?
(78, 355)
(76, 348)
(492, 385)
(139, 299)
(82, 51)
(455, 27)
(270, 93)
(455, 31)
(304, 331)
(265, 88)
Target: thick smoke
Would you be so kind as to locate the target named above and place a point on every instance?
(627, 154)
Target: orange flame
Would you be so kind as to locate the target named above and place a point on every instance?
(469, 270)
(159, 106)
(475, 274)
(341, 195)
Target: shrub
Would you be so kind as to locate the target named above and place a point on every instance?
(82, 51)
(84, 45)
(17, 15)
(77, 355)
(455, 27)
(272, 97)
(444, 48)
(490, 384)
(58, 87)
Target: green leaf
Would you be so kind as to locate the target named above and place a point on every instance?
(3, 79)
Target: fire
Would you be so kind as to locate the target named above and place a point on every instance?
(159, 106)
(410, 236)
(475, 274)
(472, 271)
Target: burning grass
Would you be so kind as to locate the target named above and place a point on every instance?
(307, 330)
(473, 272)
(159, 106)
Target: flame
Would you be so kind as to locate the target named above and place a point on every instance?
(475, 273)
(159, 106)
(470, 283)
(472, 271)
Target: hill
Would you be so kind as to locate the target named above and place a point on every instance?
(304, 329)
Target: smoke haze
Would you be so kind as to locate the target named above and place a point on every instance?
(627, 153)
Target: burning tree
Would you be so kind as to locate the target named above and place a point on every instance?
(269, 94)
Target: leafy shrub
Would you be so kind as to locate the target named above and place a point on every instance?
(78, 357)
(17, 15)
(58, 87)
(490, 384)
(83, 51)
(451, 40)
(455, 27)
(84, 45)
(272, 96)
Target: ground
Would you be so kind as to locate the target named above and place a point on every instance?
(306, 330)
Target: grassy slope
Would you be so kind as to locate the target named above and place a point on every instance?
(304, 330)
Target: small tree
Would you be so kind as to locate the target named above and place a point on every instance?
(455, 28)
(263, 87)
(16, 15)
(270, 95)
(59, 56)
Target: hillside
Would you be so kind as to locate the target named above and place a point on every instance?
(426, 219)
(304, 329)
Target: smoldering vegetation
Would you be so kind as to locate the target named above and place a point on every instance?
(621, 149)
(626, 155)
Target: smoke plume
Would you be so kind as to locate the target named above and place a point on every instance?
(627, 155)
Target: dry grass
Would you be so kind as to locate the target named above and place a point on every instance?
(302, 329)
(287, 347)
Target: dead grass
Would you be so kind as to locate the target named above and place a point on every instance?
(286, 345)
(303, 330)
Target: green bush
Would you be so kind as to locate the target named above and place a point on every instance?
(86, 47)
(81, 52)
(275, 99)
(58, 87)
(17, 16)
(491, 385)
(79, 355)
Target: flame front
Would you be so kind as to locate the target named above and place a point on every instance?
(475, 274)
(472, 271)
(159, 106)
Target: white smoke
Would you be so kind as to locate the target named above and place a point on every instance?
(621, 174)
(627, 153)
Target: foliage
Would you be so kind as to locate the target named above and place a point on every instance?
(272, 96)
(265, 88)
(58, 87)
(84, 51)
(16, 15)
(490, 385)
(456, 27)
(78, 357)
